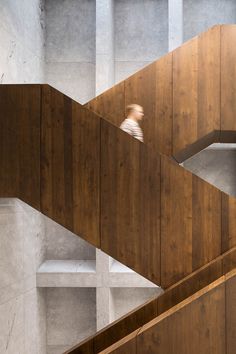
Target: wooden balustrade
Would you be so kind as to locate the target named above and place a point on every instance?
(187, 95)
(138, 206)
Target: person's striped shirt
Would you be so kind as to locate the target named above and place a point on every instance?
(131, 127)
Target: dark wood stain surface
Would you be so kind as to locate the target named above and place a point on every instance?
(195, 326)
(130, 202)
(20, 142)
(70, 165)
(228, 77)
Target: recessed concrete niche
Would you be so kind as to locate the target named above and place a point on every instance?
(55, 288)
(215, 164)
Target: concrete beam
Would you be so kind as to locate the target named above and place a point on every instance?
(104, 45)
(175, 20)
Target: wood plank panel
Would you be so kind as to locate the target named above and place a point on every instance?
(70, 165)
(195, 326)
(176, 222)
(130, 202)
(20, 142)
(190, 222)
(140, 88)
(10, 103)
(231, 313)
(228, 222)
(228, 77)
(185, 95)
(86, 174)
(196, 89)
(160, 128)
(206, 222)
(110, 105)
(208, 82)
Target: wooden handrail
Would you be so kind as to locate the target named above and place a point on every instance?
(157, 306)
(200, 324)
(138, 206)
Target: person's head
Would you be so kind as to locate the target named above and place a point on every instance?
(134, 111)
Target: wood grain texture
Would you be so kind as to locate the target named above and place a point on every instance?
(195, 326)
(208, 82)
(190, 223)
(176, 222)
(160, 128)
(206, 222)
(228, 77)
(86, 174)
(228, 222)
(110, 105)
(70, 165)
(231, 314)
(130, 202)
(196, 89)
(185, 95)
(20, 142)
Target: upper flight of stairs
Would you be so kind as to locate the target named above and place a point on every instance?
(130, 199)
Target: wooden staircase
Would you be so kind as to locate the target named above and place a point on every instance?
(133, 200)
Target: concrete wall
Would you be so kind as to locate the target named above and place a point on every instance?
(64, 245)
(200, 15)
(22, 306)
(71, 317)
(21, 41)
(52, 318)
(70, 47)
(141, 34)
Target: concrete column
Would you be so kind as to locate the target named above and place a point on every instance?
(103, 299)
(102, 291)
(104, 45)
(175, 20)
